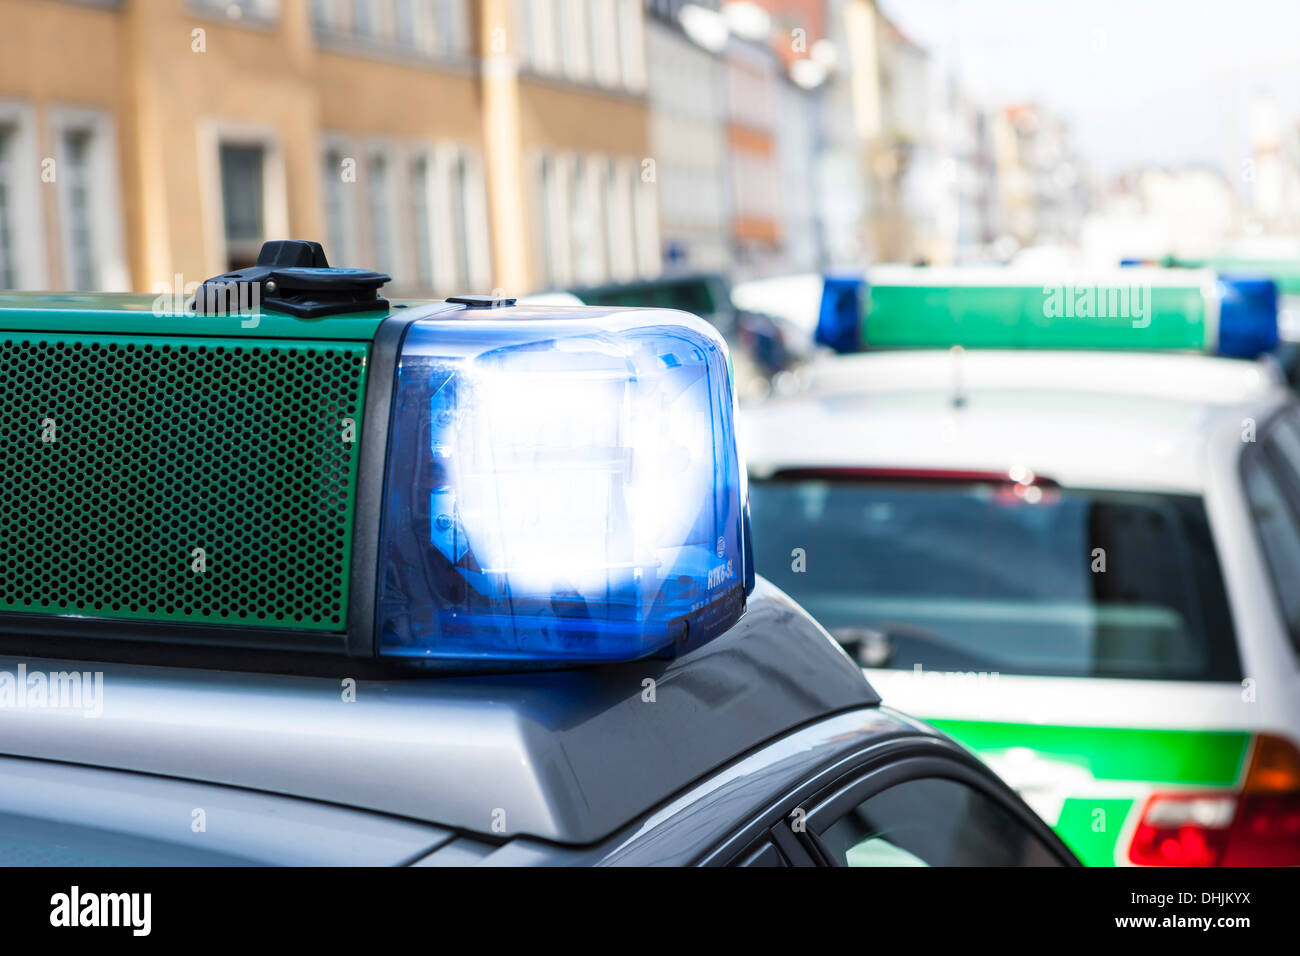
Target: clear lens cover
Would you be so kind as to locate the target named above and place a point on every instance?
(561, 487)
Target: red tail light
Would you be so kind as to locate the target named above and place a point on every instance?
(1183, 829)
(1258, 827)
(1267, 829)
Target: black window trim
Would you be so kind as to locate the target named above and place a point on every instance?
(836, 802)
(873, 768)
(1268, 457)
(760, 851)
(769, 823)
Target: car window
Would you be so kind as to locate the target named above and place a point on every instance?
(933, 821)
(978, 576)
(1279, 537)
(1283, 440)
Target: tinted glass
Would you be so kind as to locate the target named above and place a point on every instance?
(933, 822)
(1279, 537)
(692, 295)
(976, 576)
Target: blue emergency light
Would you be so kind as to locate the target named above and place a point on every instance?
(1247, 316)
(839, 320)
(562, 485)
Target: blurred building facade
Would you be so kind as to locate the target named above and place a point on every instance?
(454, 144)
(688, 135)
(1270, 173)
(1189, 212)
(565, 109)
(971, 175)
(479, 144)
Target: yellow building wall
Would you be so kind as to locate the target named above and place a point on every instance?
(171, 77)
(89, 70)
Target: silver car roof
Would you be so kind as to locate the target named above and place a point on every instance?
(1084, 419)
(568, 756)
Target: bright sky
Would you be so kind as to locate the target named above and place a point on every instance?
(1164, 82)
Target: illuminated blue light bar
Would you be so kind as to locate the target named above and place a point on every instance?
(562, 485)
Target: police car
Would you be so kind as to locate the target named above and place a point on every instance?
(296, 575)
(1085, 565)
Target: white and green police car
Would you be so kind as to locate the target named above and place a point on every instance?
(1082, 563)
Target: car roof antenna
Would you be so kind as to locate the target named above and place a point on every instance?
(958, 386)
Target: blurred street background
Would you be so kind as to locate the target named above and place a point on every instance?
(532, 145)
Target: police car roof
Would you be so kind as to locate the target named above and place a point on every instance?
(569, 756)
(118, 314)
(1140, 421)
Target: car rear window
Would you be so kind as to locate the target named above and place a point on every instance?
(692, 295)
(980, 575)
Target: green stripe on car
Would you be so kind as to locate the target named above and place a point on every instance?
(1117, 769)
(1208, 758)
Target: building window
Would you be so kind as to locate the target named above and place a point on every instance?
(575, 39)
(8, 255)
(537, 23)
(325, 14)
(22, 233)
(645, 225)
(378, 188)
(244, 192)
(423, 213)
(263, 10)
(340, 218)
(243, 204)
(468, 228)
(620, 216)
(453, 26)
(415, 25)
(555, 244)
(631, 44)
(367, 18)
(89, 212)
(603, 17)
(422, 219)
(600, 41)
(587, 219)
(594, 222)
(82, 267)
(460, 196)
(427, 27)
(545, 213)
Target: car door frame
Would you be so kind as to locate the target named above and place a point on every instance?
(860, 776)
(1264, 452)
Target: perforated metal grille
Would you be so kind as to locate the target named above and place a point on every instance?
(179, 479)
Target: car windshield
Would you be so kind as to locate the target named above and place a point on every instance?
(692, 295)
(991, 576)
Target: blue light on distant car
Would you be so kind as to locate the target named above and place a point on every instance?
(1247, 316)
(562, 485)
(839, 322)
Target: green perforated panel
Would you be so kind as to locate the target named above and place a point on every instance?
(179, 479)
